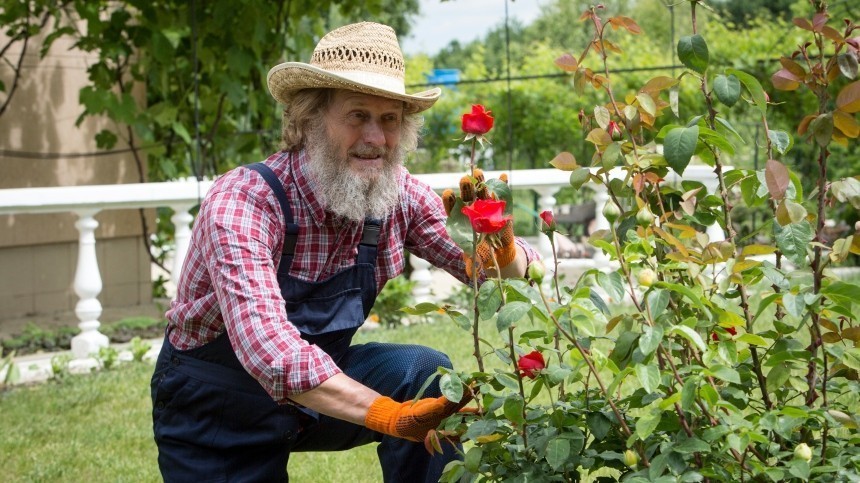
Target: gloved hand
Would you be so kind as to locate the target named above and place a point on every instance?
(411, 420)
(502, 243)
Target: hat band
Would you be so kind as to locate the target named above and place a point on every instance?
(376, 81)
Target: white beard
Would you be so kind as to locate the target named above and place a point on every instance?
(373, 193)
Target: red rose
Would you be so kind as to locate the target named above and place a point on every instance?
(479, 121)
(548, 218)
(486, 216)
(730, 330)
(614, 131)
(531, 364)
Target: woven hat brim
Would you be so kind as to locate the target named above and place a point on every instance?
(287, 78)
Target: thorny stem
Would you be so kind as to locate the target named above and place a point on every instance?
(727, 220)
(557, 336)
(512, 352)
(593, 371)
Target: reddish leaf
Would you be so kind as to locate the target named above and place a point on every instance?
(818, 21)
(793, 67)
(564, 161)
(832, 34)
(846, 123)
(851, 333)
(804, 124)
(626, 23)
(567, 63)
(848, 99)
(785, 80)
(803, 23)
(659, 83)
(776, 175)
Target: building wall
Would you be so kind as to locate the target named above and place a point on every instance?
(41, 145)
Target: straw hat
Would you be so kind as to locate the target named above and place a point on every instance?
(363, 57)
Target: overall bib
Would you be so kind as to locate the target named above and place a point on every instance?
(214, 422)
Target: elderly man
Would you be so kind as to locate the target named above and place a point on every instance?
(286, 259)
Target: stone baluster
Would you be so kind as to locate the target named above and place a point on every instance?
(88, 285)
(422, 278)
(181, 220)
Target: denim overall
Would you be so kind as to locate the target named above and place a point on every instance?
(213, 421)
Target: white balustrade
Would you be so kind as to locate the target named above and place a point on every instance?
(183, 195)
(88, 285)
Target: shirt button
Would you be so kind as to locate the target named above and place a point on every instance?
(175, 361)
(159, 405)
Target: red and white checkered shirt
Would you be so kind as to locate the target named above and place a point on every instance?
(229, 279)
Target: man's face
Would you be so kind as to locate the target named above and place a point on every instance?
(363, 129)
(355, 157)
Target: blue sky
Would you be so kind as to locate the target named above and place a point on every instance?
(463, 20)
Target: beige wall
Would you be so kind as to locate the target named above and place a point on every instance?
(40, 145)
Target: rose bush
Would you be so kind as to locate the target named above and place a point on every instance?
(730, 360)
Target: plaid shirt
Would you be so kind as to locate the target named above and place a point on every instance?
(229, 278)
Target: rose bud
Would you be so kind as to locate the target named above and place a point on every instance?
(611, 211)
(803, 452)
(631, 459)
(536, 271)
(614, 131)
(644, 216)
(646, 277)
(531, 364)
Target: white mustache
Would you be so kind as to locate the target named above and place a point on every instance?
(369, 152)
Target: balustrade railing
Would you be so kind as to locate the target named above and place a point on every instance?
(181, 196)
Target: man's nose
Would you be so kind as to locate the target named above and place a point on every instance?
(373, 133)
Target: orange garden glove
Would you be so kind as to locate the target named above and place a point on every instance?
(411, 420)
(502, 242)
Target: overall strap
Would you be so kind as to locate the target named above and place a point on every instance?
(291, 229)
(369, 241)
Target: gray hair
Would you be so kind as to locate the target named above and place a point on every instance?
(309, 104)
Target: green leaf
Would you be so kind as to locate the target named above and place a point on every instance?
(612, 284)
(461, 320)
(503, 192)
(688, 394)
(649, 376)
(777, 377)
(512, 313)
(481, 427)
(513, 409)
(679, 146)
(489, 299)
(725, 373)
(611, 155)
(508, 381)
(459, 228)
(689, 334)
(693, 52)
(728, 89)
(578, 177)
(753, 87)
(421, 309)
(691, 445)
(451, 386)
(650, 339)
(781, 140)
(557, 452)
(793, 304)
(683, 290)
(753, 339)
(657, 301)
(599, 424)
(793, 241)
(842, 292)
(647, 423)
(472, 460)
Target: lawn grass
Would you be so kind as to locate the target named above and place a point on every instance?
(98, 427)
